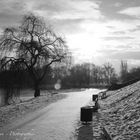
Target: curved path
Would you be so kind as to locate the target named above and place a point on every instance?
(57, 121)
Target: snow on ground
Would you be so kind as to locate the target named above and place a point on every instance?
(14, 111)
(121, 112)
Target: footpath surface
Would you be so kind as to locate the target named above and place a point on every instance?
(13, 112)
(58, 120)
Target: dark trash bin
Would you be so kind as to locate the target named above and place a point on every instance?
(95, 108)
(86, 114)
(94, 97)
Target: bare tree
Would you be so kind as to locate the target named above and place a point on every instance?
(32, 45)
(109, 72)
(123, 71)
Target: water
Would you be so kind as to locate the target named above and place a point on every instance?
(58, 121)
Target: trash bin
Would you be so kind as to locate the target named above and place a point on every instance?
(86, 114)
(95, 108)
(94, 97)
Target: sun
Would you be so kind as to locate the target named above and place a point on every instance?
(86, 44)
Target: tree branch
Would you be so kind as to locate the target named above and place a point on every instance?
(46, 67)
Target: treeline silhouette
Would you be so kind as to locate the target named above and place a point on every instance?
(86, 75)
(77, 76)
(134, 73)
(20, 79)
(127, 77)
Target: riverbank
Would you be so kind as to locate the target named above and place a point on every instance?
(121, 112)
(28, 104)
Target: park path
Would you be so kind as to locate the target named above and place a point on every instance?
(57, 121)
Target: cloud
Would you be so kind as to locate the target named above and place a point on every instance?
(98, 28)
(120, 55)
(118, 4)
(131, 11)
(124, 32)
(66, 16)
(135, 29)
(62, 9)
(135, 55)
(119, 32)
(11, 12)
(122, 25)
(69, 26)
(118, 38)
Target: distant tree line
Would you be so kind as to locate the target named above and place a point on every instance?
(86, 75)
(73, 76)
(128, 75)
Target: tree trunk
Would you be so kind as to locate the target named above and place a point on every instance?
(37, 90)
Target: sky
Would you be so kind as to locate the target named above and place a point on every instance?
(97, 31)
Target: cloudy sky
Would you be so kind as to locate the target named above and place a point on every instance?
(95, 30)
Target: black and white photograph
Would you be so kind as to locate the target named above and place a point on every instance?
(69, 69)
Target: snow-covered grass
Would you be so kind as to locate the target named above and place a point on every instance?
(121, 112)
(28, 104)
